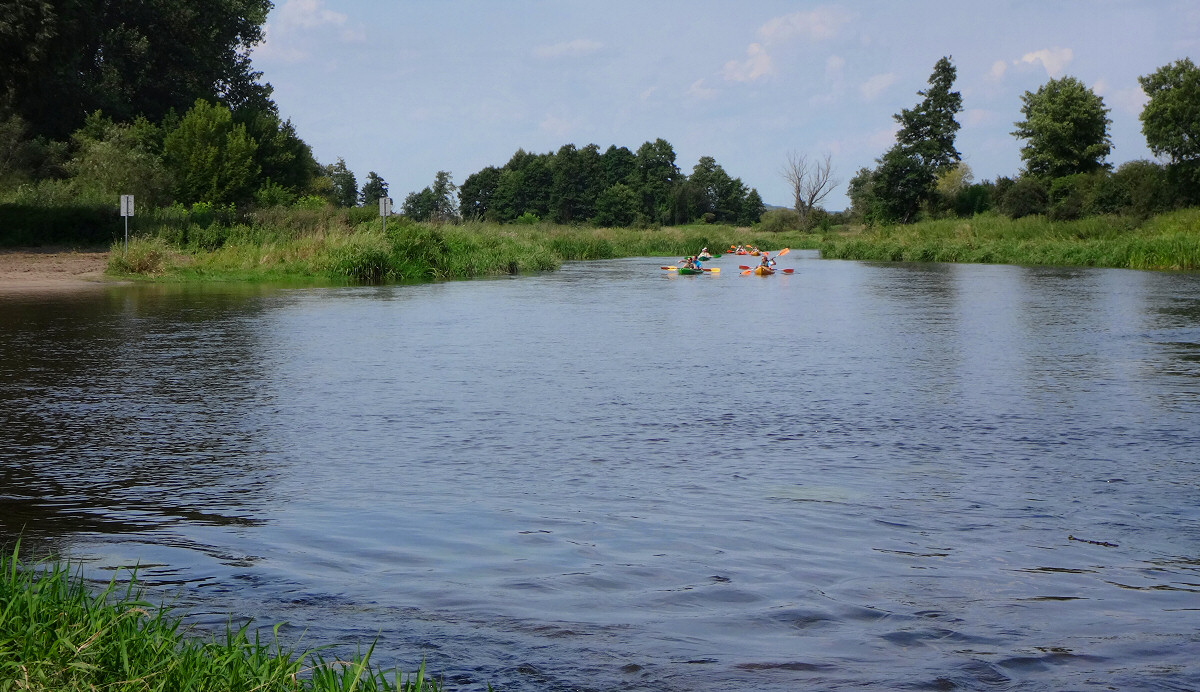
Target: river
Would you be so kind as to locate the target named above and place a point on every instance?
(889, 476)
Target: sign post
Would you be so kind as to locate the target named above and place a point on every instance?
(385, 210)
(126, 211)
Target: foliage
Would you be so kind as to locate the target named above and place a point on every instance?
(435, 203)
(1025, 197)
(927, 131)
(905, 176)
(114, 159)
(617, 205)
(574, 186)
(1065, 128)
(211, 157)
(777, 220)
(374, 189)
(56, 635)
(1171, 117)
(272, 194)
(62, 60)
(344, 192)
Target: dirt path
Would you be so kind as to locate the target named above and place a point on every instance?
(51, 269)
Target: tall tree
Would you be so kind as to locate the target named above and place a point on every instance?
(656, 175)
(374, 189)
(345, 185)
(1171, 118)
(924, 147)
(1065, 129)
(211, 157)
(927, 131)
(63, 59)
(475, 194)
(445, 198)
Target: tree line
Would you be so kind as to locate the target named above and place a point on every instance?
(1065, 146)
(583, 185)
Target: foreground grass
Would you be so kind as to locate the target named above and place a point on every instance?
(410, 252)
(1168, 241)
(56, 635)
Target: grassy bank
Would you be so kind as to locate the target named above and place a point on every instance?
(331, 249)
(57, 635)
(1168, 241)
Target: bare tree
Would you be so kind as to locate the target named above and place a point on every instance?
(810, 182)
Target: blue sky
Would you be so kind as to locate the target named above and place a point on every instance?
(407, 88)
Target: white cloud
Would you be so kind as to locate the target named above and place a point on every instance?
(306, 14)
(1130, 101)
(819, 24)
(1055, 60)
(281, 40)
(875, 85)
(998, 69)
(569, 49)
(757, 64)
(700, 91)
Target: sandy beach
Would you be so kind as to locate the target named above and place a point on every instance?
(51, 269)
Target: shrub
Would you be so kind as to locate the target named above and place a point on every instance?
(778, 220)
(1026, 197)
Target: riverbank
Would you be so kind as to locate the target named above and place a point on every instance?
(52, 270)
(1165, 242)
(55, 634)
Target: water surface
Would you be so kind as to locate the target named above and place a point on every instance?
(610, 477)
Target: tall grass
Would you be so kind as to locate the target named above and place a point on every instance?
(317, 244)
(1169, 241)
(57, 635)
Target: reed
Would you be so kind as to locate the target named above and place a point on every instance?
(55, 634)
(1167, 242)
(320, 246)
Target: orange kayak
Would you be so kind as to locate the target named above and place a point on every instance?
(763, 271)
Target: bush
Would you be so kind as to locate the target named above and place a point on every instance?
(528, 219)
(779, 220)
(1025, 197)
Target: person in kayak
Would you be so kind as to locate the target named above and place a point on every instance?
(767, 262)
(704, 254)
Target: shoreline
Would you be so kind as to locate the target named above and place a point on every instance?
(52, 270)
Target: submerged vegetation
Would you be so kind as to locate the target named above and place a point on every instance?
(55, 634)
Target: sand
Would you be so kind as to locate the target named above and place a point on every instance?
(52, 269)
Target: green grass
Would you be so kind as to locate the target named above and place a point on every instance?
(55, 634)
(330, 249)
(1166, 242)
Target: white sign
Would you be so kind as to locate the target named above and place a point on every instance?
(126, 205)
(385, 206)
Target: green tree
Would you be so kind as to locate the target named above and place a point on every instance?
(1171, 117)
(282, 157)
(373, 190)
(927, 131)
(211, 157)
(62, 59)
(475, 194)
(617, 205)
(420, 206)
(1065, 128)
(445, 198)
(656, 175)
(113, 159)
(905, 176)
(345, 185)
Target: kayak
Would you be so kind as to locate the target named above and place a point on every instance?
(763, 271)
(689, 270)
(704, 259)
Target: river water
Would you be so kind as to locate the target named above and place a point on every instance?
(887, 476)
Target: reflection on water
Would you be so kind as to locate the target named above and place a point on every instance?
(859, 475)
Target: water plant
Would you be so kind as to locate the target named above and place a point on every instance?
(57, 634)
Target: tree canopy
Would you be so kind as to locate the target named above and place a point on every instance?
(63, 59)
(1065, 129)
(1171, 118)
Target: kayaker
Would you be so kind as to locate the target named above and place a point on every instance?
(767, 261)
